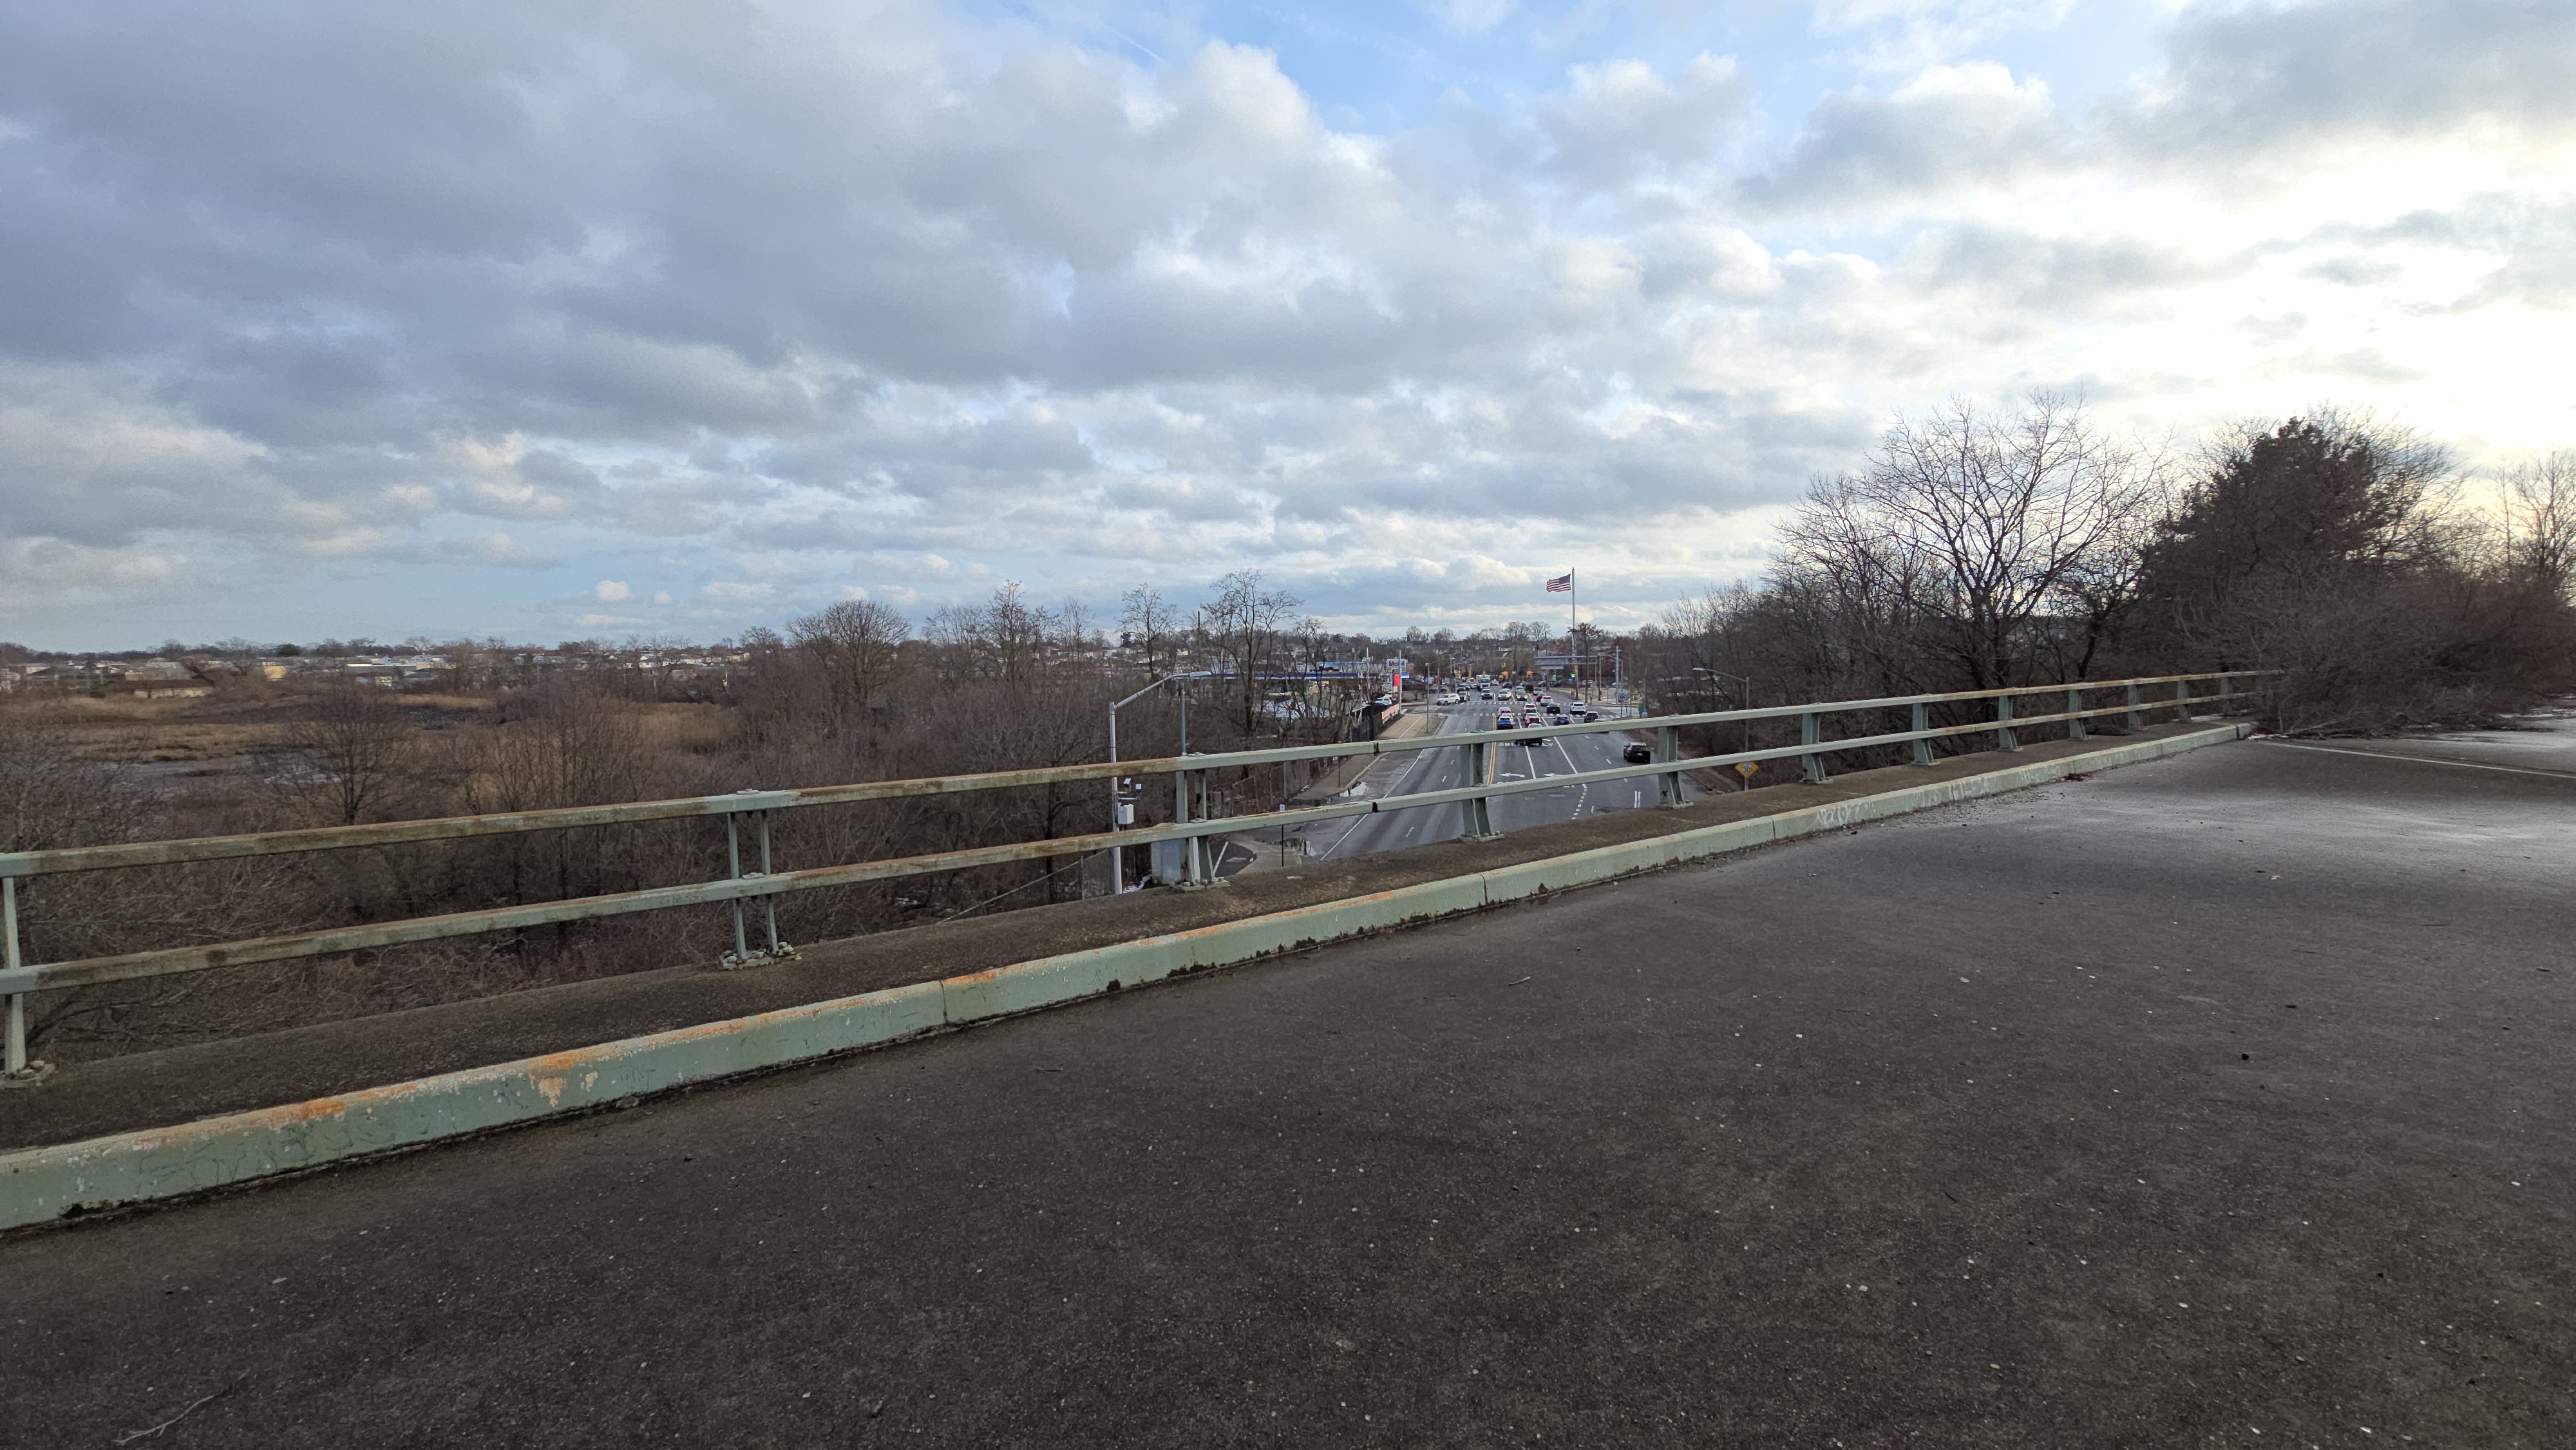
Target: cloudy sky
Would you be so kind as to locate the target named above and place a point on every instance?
(554, 320)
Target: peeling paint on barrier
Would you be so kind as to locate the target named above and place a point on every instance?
(41, 1184)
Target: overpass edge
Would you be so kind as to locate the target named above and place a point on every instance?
(45, 1184)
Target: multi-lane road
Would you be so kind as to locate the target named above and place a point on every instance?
(1415, 772)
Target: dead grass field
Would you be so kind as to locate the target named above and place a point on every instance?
(173, 740)
(684, 727)
(123, 730)
(127, 731)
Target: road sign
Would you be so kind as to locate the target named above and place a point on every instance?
(1747, 767)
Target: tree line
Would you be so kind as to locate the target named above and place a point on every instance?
(1990, 548)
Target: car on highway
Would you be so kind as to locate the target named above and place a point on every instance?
(1637, 753)
(1502, 719)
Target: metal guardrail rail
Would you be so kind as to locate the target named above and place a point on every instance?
(1191, 824)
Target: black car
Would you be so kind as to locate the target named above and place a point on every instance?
(1637, 753)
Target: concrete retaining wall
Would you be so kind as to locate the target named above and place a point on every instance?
(41, 1184)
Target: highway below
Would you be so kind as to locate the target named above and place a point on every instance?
(1423, 771)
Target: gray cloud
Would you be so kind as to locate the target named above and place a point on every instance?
(835, 284)
(1951, 128)
(2352, 271)
(2530, 240)
(496, 548)
(2267, 85)
(2361, 364)
(2040, 276)
(1621, 119)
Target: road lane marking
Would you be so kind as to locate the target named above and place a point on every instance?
(1404, 778)
(2427, 760)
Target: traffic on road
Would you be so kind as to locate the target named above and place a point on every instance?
(1463, 710)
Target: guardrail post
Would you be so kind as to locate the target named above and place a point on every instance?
(2005, 739)
(778, 950)
(2137, 717)
(2074, 703)
(1190, 803)
(1922, 722)
(1668, 786)
(16, 1059)
(1480, 812)
(2182, 699)
(741, 952)
(1809, 734)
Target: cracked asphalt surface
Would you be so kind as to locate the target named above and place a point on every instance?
(2218, 1095)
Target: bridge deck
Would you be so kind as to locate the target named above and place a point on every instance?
(2218, 1094)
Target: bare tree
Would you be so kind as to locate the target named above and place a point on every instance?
(357, 743)
(1015, 633)
(1250, 624)
(1004, 638)
(1152, 624)
(858, 644)
(1967, 531)
(2540, 520)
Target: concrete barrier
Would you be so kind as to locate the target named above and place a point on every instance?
(42, 1184)
(37, 1184)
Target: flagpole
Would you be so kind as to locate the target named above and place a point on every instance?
(1573, 651)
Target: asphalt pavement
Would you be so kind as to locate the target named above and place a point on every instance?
(2220, 1100)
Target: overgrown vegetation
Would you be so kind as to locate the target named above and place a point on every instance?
(1978, 550)
(846, 694)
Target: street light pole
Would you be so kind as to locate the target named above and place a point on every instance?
(1118, 854)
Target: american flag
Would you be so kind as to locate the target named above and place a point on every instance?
(1562, 584)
